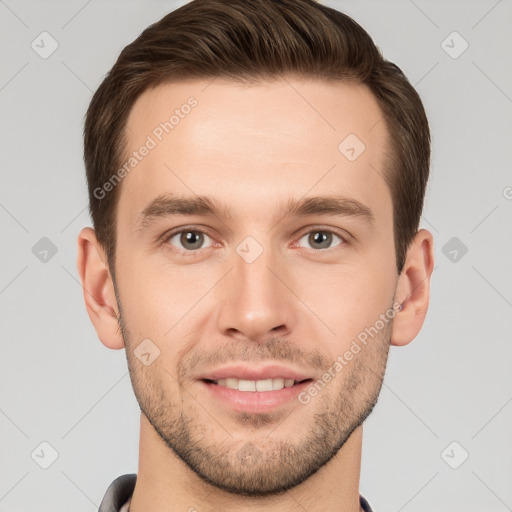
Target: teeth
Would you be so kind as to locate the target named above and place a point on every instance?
(261, 385)
(255, 385)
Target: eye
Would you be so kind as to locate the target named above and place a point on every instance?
(320, 239)
(188, 239)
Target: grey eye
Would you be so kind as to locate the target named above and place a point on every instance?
(189, 239)
(320, 239)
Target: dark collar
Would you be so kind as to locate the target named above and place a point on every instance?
(122, 487)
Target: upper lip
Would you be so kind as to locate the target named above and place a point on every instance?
(245, 372)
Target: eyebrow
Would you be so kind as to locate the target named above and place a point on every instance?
(167, 205)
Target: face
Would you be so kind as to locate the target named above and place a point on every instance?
(253, 254)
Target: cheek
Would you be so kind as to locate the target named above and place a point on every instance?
(158, 300)
(346, 300)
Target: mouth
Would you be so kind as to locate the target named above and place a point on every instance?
(254, 396)
(261, 386)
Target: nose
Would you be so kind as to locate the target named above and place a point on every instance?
(254, 301)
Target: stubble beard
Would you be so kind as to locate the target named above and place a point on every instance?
(259, 465)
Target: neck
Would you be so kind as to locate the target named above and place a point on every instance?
(165, 483)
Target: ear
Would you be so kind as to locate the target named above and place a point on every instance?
(413, 289)
(98, 289)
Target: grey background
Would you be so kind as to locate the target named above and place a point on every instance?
(60, 385)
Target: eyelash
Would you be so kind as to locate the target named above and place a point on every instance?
(167, 236)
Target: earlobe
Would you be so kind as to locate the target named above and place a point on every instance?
(98, 289)
(413, 289)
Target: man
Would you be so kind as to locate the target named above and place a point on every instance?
(256, 176)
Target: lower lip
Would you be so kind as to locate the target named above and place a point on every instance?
(255, 401)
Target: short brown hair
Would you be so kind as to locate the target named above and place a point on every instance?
(254, 40)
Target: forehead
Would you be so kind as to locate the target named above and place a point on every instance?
(248, 145)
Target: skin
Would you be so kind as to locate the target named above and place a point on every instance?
(252, 148)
